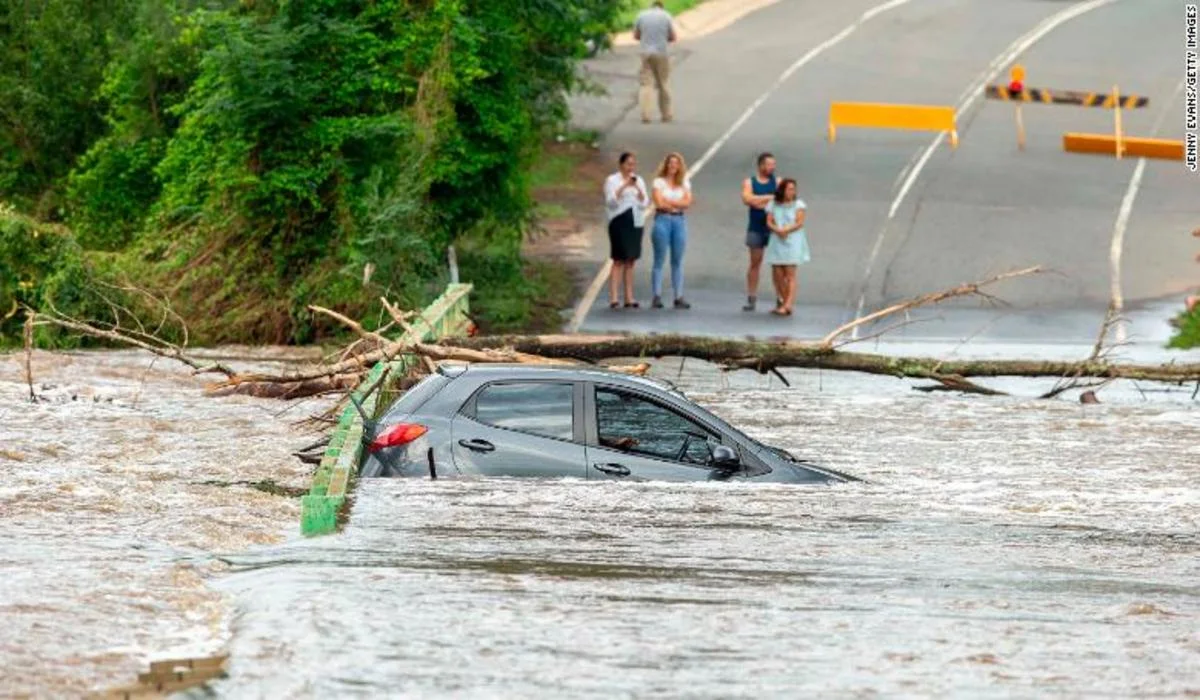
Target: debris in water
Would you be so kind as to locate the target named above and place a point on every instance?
(987, 659)
(265, 485)
(1146, 609)
(170, 676)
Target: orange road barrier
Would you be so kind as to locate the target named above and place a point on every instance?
(1106, 144)
(871, 115)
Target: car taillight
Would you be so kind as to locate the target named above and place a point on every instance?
(399, 434)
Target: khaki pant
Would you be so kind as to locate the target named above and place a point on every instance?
(656, 69)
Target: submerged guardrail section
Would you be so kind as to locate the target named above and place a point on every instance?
(333, 480)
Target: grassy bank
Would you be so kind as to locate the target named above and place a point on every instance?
(565, 183)
(631, 9)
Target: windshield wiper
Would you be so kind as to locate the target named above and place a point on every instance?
(788, 455)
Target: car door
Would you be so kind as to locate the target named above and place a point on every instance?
(521, 428)
(634, 437)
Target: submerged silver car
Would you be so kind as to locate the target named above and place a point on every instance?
(538, 421)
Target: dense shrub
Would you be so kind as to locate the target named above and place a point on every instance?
(247, 159)
(1188, 333)
(41, 267)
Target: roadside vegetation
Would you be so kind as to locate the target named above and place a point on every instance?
(632, 7)
(566, 183)
(242, 160)
(1188, 329)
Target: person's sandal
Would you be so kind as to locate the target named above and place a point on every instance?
(632, 305)
(614, 305)
(681, 304)
(657, 303)
(751, 302)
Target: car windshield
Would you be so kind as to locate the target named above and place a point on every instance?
(714, 418)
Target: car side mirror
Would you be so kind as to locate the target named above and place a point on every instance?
(725, 456)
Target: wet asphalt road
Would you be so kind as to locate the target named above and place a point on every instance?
(878, 231)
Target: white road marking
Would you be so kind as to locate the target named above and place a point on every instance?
(1118, 242)
(904, 171)
(1122, 223)
(593, 290)
(968, 98)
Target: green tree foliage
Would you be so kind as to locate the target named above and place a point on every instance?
(52, 59)
(248, 158)
(40, 266)
(115, 184)
(1187, 334)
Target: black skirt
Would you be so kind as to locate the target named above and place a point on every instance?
(624, 239)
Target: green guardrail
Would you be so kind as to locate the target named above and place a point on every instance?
(334, 478)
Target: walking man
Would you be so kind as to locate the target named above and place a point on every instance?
(655, 30)
(758, 191)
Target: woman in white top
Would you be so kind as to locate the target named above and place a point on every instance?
(625, 201)
(672, 195)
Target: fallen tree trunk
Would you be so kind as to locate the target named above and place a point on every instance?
(766, 356)
(285, 389)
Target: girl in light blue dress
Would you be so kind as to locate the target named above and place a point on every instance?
(788, 247)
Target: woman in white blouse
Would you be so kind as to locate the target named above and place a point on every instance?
(672, 195)
(625, 201)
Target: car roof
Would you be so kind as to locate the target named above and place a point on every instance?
(576, 373)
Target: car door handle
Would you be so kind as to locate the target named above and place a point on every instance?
(614, 469)
(477, 445)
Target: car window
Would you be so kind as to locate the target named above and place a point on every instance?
(416, 397)
(540, 408)
(634, 424)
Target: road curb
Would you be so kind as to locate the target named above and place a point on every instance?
(334, 479)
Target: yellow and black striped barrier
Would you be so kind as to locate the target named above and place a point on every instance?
(1104, 100)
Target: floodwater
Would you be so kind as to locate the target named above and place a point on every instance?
(110, 519)
(1002, 547)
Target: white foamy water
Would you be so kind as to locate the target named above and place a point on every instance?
(1002, 547)
(109, 531)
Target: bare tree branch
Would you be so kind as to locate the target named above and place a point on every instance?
(349, 323)
(954, 382)
(1074, 383)
(158, 347)
(968, 289)
(885, 331)
(29, 354)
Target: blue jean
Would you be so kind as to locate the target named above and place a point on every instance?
(670, 232)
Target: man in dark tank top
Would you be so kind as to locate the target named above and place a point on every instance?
(757, 192)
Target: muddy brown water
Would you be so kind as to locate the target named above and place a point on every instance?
(1002, 547)
(109, 527)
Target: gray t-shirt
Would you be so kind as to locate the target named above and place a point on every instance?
(655, 27)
